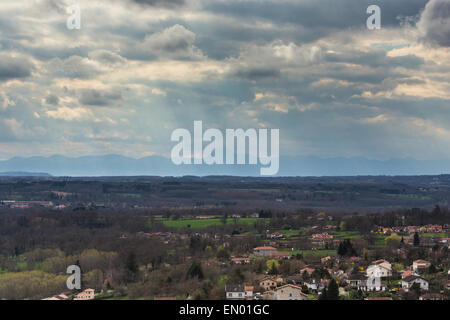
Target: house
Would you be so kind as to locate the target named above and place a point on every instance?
(240, 260)
(315, 285)
(384, 263)
(235, 292)
(275, 235)
(267, 283)
(372, 284)
(419, 265)
(308, 270)
(362, 282)
(433, 228)
(325, 259)
(61, 296)
(356, 280)
(279, 255)
(290, 292)
(270, 282)
(321, 238)
(249, 292)
(87, 294)
(409, 281)
(380, 269)
(408, 273)
(264, 251)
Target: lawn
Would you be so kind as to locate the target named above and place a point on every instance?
(437, 234)
(346, 234)
(380, 242)
(292, 232)
(408, 196)
(312, 252)
(204, 223)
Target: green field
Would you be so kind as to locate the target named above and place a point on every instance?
(408, 196)
(437, 234)
(204, 223)
(346, 234)
(292, 232)
(130, 195)
(312, 252)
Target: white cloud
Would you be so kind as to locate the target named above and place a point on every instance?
(70, 114)
(159, 92)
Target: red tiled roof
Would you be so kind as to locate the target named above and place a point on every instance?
(421, 261)
(407, 273)
(265, 248)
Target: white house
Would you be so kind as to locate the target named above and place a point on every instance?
(315, 285)
(356, 280)
(409, 281)
(372, 284)
(420, 265)
(235, 292)
(249, 292)
(380, 269)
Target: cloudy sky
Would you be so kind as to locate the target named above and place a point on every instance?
(138, 69)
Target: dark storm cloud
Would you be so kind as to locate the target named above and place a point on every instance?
(435, 23)
(255, 74)
(100, 98)
(51, 99)
(14, 68)
(317, 13)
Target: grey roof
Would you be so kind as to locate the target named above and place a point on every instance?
(357, 276)
(412, 278)
(234, 288)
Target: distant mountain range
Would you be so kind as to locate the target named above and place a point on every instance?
(24, 174)
(116, 165)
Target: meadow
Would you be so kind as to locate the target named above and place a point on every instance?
(204, 223)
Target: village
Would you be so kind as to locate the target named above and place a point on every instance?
(321, 262)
